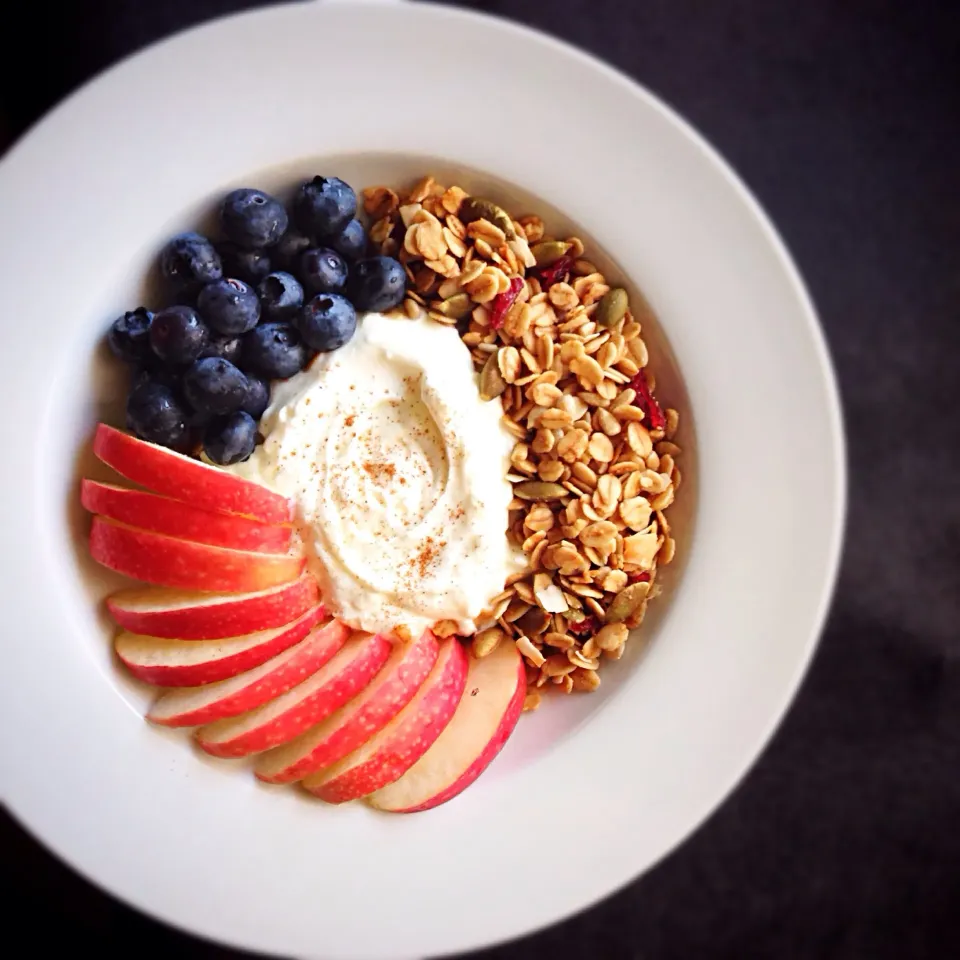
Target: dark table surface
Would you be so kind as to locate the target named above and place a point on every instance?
(844, 117)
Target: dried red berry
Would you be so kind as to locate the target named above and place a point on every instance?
(648, 402)
(586, 627)
(643, 577)
(502, 302)
(555, 273)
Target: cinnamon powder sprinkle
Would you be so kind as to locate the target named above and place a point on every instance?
(427, 555)
(380, 470)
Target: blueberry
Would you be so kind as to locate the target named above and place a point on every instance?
(230, 439)
(188, 261)
(323, 271)
(258, 397)
(286, 254)
(155, 413)
(250, 266)
(377, 283)
(350, 242)
(327, 322)
(178, 335)
(274, 351)
(323, 206)
(224, 346)
(252, 219)
(229, 306)
(281, 296)
(129, 336)
(214, 386)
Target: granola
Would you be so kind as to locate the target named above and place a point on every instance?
(594, 469)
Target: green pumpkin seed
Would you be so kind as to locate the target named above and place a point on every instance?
(492, 383)
(612, 307)
(627, 601)
(455, 307)
(548, 252)
(540, 490)
(476, 208)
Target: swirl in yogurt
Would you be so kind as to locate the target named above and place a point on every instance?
(398, 472)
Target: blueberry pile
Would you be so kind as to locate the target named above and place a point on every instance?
(282, 285)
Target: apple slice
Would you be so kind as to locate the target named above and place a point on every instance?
(357, 721)
(484, 720)
(137, 508)
(190, 663)
(174, 475)
(193, 615)
(290, 714)
(170, 562)
(404, 740)
(192, 706)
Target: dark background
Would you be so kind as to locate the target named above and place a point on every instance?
(844, 117)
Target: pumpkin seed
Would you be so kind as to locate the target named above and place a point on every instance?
(627, 601)
(485, 642)
(455, 307)
(548, 252)
(492, 383)
(612, 307)
(477, 208)
(540, 490)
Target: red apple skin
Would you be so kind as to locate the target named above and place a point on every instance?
(169, 562)
(289, 715)
(357, 721)
(399, 745)
(192, 663)
(148, 511)
(192, 706)
(192, 615)
(182, 478)
(383, 800)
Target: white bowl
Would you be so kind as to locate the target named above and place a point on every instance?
(590, 792)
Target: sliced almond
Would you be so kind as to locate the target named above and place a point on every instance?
(558, 665)
(485, 642)
(585, 681)
(539, 490)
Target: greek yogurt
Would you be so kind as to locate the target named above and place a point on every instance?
(398, 472)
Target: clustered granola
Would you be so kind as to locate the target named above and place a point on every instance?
(594, 466)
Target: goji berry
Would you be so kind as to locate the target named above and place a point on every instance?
(502, 302)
